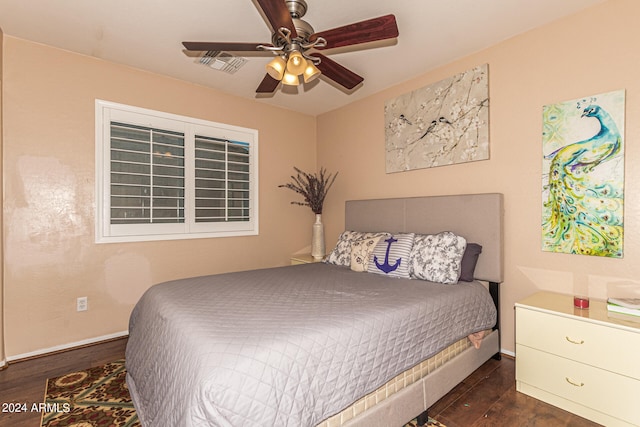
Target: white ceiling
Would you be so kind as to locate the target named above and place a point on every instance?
(147, 34)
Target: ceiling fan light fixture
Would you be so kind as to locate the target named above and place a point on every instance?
(290, 79)
(296, 63)
(292, 38)
(276, 67)
(311, 72)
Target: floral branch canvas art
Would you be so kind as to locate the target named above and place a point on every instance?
(583, 176)
(441, 124)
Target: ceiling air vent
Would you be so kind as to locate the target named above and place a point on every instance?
(222, 61)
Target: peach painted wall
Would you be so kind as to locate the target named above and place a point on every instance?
(48, 142)
(2, 353)
(586, 54)
(50, 254)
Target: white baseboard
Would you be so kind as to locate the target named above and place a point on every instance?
(508, 353)
(66, 346)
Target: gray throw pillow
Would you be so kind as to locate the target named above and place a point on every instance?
(469, 261)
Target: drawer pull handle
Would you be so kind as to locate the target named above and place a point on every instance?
(574, 384)
(573, 341)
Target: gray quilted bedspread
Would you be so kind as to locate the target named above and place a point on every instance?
(286, 346)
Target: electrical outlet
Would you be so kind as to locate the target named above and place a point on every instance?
(82, 304)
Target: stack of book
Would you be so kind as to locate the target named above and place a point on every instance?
(629, 306)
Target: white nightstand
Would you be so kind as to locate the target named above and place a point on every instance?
(582, 361)
(303, 259)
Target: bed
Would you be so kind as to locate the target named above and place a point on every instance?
(320, 344)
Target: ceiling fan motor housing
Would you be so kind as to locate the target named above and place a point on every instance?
(303, 28)
(297, 8)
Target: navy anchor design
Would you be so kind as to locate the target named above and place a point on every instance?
(386, 267)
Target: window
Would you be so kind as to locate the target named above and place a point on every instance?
(161, 176)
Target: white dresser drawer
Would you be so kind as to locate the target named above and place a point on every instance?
(608, 348)
(593, 388)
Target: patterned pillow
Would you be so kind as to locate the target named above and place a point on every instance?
(361, 251)
(341, 254)
(437, 257)
(391, 256)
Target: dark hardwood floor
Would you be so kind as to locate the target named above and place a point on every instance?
(486, 398)
(24, 382)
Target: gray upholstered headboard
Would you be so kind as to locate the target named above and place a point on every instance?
(476, 217)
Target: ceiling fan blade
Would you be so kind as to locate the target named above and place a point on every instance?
(337, 72)
(268, 84)
(278, 15)
(232, 47)
(380, 28)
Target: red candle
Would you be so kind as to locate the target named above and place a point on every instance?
(581, 302)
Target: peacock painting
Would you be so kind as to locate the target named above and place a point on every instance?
(583, 176)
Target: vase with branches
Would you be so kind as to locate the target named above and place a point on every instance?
(313, 188)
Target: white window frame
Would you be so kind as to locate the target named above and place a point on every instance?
(105, 232)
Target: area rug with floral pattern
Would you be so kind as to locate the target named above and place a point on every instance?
(94, 397)
(99, 397)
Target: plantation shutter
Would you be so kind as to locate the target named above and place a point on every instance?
(147, 175)
(222, 180)
(160, 176)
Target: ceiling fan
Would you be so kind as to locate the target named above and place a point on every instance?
(296, 45)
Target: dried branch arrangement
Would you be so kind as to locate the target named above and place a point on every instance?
(313, 187)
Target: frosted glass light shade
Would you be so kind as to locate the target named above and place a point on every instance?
(311, 72)
(290, 79)
(296, 63)
(276, 67)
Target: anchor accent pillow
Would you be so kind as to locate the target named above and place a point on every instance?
(391, 256)
(437, 257)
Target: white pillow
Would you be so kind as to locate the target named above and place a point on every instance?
(437, 257)
(361, 252)
(391, 256)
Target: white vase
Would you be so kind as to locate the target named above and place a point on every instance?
(317, 239)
